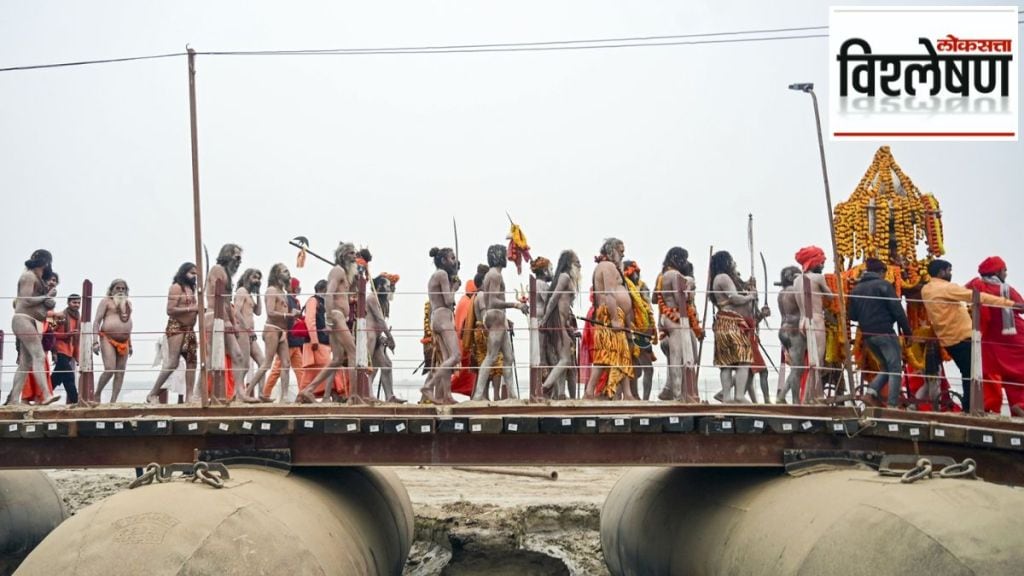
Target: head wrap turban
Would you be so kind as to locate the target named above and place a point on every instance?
(540, 263)
(810, 257)
(991, 266)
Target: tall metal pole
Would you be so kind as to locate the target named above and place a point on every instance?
(197, 225)
(840, 288)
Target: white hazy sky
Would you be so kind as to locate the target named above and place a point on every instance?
(659, 146)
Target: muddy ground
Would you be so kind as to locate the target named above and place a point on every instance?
(467, 523)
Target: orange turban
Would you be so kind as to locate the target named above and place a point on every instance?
(470, 287)
(991, 266)
(810, 257)
(540, 263)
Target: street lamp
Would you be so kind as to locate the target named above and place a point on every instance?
(808, 88)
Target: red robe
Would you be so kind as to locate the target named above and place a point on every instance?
(31, 392)
(1002, 355)
(464, 381)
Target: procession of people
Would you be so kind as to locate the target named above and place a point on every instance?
(606, 351)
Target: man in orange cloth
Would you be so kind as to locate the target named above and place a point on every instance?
(465, 379)
(1002, 339)
(316, 353)
(113, 341)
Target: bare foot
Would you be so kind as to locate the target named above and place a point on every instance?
(152, 399)
(1017, 410)
(396, 400)
(265, 399)
(666, 395)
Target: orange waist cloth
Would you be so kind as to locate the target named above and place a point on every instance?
(121, 348)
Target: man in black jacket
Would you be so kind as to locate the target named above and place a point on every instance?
(875, 307)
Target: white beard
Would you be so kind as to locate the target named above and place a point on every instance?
(351, 269)
(574, 275)
(120, 300)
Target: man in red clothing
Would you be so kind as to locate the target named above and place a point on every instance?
(1002, 340)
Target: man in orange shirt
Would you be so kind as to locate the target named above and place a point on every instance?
(66, 350)
(944, 304)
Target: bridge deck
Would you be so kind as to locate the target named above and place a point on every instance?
(506, 433)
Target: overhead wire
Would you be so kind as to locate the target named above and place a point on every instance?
(593, 43)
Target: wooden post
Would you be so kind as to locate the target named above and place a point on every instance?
(85, 379)
(197, 234)
(977, 407)
(361, 382)
(704, 319)
(813, 390)
(218, 350)
(536, 384)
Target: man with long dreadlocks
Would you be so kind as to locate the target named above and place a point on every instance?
(441, 290)
(379, 309)
(733, 345)
(611, 323)
(643, 323)
(559, 325)
(343, 343)
(493, 305)
(673, 293)
(275, 333)
(541, 268)
(229, 259)
(182, 311)
(248, 305)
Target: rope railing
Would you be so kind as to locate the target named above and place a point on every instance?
(526, 361)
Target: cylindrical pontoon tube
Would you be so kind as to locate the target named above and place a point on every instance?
(30, 508)
(353, 521)
(743, 521)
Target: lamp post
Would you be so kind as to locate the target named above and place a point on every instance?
(808, 87)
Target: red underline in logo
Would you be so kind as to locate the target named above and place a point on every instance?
(939, 134)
